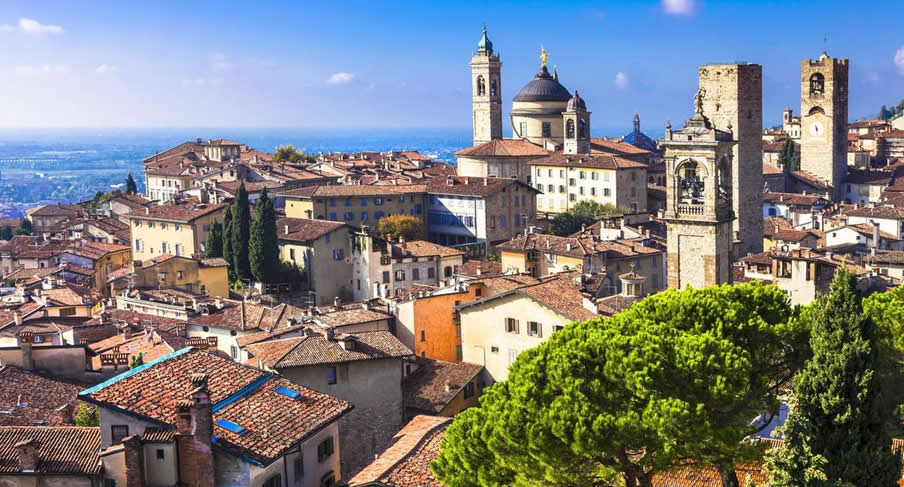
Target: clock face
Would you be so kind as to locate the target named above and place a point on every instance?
(817, 130)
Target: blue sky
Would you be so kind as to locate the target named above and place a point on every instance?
(390, 64)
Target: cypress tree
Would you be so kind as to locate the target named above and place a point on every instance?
(240, 233)
(263, 248)
(837, 432)
(131, 186)
(227, 239)
(213, 245)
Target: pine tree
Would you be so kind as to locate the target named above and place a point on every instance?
(240, 233)
(24, 228)
(131, 186)
(86, 415)
(837, 432)
(136, 361)
(213, 245)
(263, 248)
(227, 240)
(885, 113)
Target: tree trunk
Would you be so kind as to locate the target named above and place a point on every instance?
(729, 476)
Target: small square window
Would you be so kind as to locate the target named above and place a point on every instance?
(160, 454)
(331, 375)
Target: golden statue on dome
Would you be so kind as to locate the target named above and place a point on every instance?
(543, 55)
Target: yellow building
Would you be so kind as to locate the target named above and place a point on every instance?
(320, 249)
(205, 276)
(103, 258)
(177, 228)
(566, 179)
(355, 204)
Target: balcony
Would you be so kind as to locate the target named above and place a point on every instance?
(690, 209)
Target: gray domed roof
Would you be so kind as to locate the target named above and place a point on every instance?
(576, 103)
(543, 88)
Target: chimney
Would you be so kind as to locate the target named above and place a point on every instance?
(25, 344)
(27, 451)
(447, 387)
(63, 414)
(337, 302)
(127, 333)
(875, 235)
(329, 333)
(147, 210)
(194, 425)
(134, 461)
(17, 317)
(287, 229)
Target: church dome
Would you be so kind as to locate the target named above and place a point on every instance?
(639, 139)
(543, 88)
(484, 44)
(576, 103)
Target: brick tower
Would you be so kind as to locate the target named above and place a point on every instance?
(824, 117)
(733, 102)
(486, 86)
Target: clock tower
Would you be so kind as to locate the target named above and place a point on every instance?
(824, 118)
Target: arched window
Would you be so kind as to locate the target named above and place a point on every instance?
(492, 87)
(817, 84)
(481, 86)
(582, 128)
(724, 179)
(569, 129)
(815, 110)
(690, 183)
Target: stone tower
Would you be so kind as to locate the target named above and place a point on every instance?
(486, 85)
(824, 118)
(700, 202)
(576, 120)
(733, 102)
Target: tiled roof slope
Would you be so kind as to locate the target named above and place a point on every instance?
(425, 388)
(315, 349)
(61, 449)
(304, 229)
(27, 398)
(407, 462)
(274, 422)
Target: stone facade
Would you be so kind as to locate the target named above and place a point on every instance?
(824, 115)
(733, 102)
(486, 86)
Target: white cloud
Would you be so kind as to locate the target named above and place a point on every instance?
(31, 27)
(340, 78)
(41, 69)
(621, 80)
(679, 7)
(105, 68)
(220, 62)
(899, 60)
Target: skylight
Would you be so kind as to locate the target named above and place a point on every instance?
(294, 395)
(230, 426)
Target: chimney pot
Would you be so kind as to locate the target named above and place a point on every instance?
(27, 451)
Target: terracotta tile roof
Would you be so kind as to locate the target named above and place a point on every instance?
(887, 257)
(138, 320)
(507, 283)
(770, 169)
(869, 177)
(590, 161)
(151, 344)
(503, 148)
(406, 463)
(480, 268)
(341, 190)
(422, 248)
(792, 198)
(891, 134)
(56, 210)
(133, 201)
(578, 245)
(773, 224)
(316, 349)
(606, 145)
(28, 398)
(158, 435)
(182, 212)
(561, 295)
(472, 186)
(790, 235)
(697, 476)
(890, 212)
(810, 180)
(435, 383)
(866, 230)
(61, 449)
(867, 123)
(350, 314)
(304, 229)
(247, 316)
(243, 395)
(267, 335)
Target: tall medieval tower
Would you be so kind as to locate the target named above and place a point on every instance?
(486, 85)
(700, 201)
(824, 118)
(733, 102)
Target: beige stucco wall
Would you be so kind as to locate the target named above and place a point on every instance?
(190, 235)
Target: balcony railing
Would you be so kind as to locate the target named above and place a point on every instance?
(690, 209)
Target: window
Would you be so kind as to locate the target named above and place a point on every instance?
(331, 375)
(594, 176)
(291, 254)
(481, 86)
(546, 129)
(561, 188)
(234, 352)
(325, 449)
(348, 216)
(556, 328)
(378, 215)
(431, 273)
(363, 201)
(399, 275)
(423, 336)
(67, 311)
(571, 182)
(338, 254)
(178, 228)
(502, 221)
(572, 197)
(118, 432)
(416, 274)
(511, 325)
(332, 201)
(523, 131)
(298, 469)
(513, 354)
(348, 201)
(378, 201)
(469, 390)
(363, 216)
(447, 271)
(274, 481)
(385, 277)
(593, 191)
(179, 251)
(160, 454)
(333, 216)
(458, 354)
(534, 329)
(163, 247)
(607, 192)
(328, 480)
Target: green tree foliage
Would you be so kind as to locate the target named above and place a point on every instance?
(885, 113)
(240, 233)
(410, 227)
(836, 434)
(227, 240)
(131, 186)
(6, 233)
(789, 158)
(213, 245)
(678, 376)
(86, 415)
(136, 361)
(263, 247)
(25, 227)
(887, 312)
(899, 108)
(585, 212)
(288, 153)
